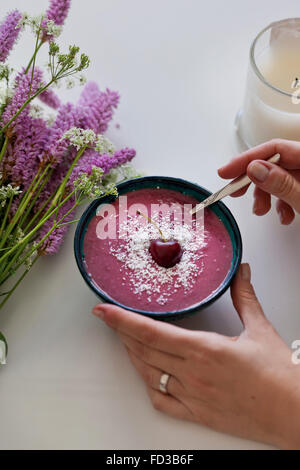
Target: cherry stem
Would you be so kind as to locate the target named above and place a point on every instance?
(153, 223)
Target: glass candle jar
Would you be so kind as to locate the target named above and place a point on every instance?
(271, 107)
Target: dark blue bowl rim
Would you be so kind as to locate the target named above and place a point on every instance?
(160, 315)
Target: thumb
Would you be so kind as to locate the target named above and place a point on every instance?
(244, 299)
(275, 180)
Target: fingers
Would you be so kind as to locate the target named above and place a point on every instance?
(169, 363)
(262, 205)
(285, 212)
(275, 180)
(169, 405)
(152, 375)
(245, 300)
(181, 384)
(262, 202)
(153, 333)
(240, 192)
(158, 335)
(289, 157)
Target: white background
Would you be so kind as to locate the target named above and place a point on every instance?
(180, 66)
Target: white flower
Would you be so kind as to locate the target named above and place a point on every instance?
(91, 185)
(79, 137)
(50, 119)
(6, 192)
(122, 173)
(2, 352)
(70, 83)
(82, 79)
(35, 23)
(23, 21)
(36, 111)
(19, 234)
(104, 145)
(30, 259)
(53, 29)
(128, 171)
(5, 91)
(5, 72)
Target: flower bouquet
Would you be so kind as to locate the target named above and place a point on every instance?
(48, 167)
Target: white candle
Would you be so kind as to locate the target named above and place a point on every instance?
(272, 100)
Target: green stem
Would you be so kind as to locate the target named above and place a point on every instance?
(39, 212)
(35, 248)
(6, 215)
(36, 228)
(25, 104)
(32, 58)
(68, 223)
(16, 285)
(62, 187)
(5, 273)
(3, 150)
(38, 192)
(66, 215)
(25, 200)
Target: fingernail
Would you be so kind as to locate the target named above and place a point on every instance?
(246, 272)
(98, 311)
(258, 171)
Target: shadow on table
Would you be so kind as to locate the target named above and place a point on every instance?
(220, 318)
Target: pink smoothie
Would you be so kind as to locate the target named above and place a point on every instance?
(123, 268)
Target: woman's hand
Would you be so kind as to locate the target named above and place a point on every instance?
(246, 385)
(283, 180)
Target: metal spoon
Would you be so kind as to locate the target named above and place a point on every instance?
(232, 187)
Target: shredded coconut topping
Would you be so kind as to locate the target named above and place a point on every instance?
(139, 269)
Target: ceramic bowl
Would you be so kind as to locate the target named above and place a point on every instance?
(182, 186)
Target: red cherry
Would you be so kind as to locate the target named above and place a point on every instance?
(166, 253)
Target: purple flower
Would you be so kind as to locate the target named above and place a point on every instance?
(21, 95)
(66, 119)
(50, 98)
(94, 111)
(9, 31)
(26, 150)
(106, 162)
(57, 12)
(56, 238)
(96, 107)
(54, 182)
(89, 160)
(32, 143)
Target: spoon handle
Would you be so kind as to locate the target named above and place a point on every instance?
(230, 188)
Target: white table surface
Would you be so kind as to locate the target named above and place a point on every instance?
(180, 66)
